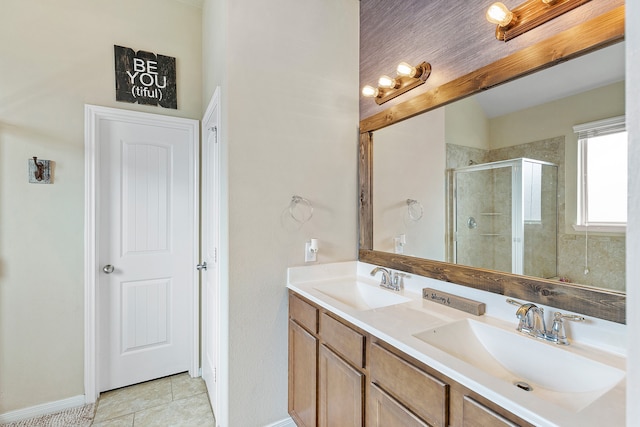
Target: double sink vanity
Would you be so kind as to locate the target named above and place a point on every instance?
(361, 354)
(384, 351)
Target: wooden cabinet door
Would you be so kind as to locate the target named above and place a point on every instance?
(384, 411)
(340, 388)
(303, 357)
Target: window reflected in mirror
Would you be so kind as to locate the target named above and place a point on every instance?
(602, 176)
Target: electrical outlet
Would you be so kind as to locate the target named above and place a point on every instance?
(398, 246)
(309, 255)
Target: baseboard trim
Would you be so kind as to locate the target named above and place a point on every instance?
(287, 422)
(43, 409)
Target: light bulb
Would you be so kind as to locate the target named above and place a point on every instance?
(386, 82)
(370, 91)
(405, 69)
(499, 14)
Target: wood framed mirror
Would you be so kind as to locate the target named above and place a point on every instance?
(589, 36)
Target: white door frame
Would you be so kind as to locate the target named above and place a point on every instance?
(93, 116)
(213, 117)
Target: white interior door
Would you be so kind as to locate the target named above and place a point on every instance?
(147, 246)
(210, 242)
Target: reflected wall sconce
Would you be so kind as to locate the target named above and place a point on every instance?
(408, 77)
(527, 16)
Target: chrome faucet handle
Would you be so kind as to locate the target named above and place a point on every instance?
(514, 302)
(574, 317)
(396, 277)
(557, 333)
(397, 280)
(521, 316)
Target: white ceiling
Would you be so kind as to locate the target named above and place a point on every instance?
(599, 68)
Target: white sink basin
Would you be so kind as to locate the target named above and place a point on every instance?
(552, 373)
(361, 296)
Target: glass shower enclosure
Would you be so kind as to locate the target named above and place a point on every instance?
(505, 216)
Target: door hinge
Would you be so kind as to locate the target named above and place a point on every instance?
(215, 255)
(202, 266)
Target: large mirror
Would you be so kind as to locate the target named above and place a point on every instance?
(422, 162)
(491, 180)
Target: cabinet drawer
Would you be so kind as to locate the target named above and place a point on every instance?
(343, 339)
(303, 313)
(425, 395)
(384, 411)
(475, 414)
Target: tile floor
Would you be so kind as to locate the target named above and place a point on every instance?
(178, 400)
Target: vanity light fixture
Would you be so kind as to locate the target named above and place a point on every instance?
(527, 16)
(408, 77)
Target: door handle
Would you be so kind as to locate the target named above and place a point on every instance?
(108, 269)
(202, 266)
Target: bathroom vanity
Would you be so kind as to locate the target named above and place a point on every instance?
(361, 355)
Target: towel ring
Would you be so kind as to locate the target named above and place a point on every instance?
(415, 209)
(300, 209)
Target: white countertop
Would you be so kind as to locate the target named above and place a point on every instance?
(397, 324)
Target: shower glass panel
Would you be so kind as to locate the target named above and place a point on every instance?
(505, 216)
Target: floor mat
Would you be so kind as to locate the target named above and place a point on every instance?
(81, 416)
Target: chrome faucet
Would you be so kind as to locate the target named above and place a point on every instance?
(531, 322)
(389, 280)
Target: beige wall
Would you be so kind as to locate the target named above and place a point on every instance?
(54, 58)
(289, 81)
(409, 163)
(466, 124)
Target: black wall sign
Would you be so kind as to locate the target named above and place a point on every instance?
(145, 78)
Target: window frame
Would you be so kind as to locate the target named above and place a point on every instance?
(584, 132)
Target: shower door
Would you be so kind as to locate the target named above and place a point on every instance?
(483, 212)
(505, 216)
